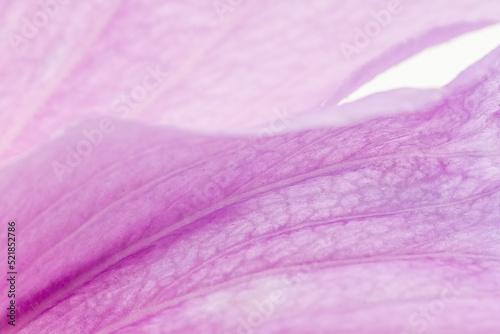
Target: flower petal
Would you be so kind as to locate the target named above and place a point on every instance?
(228, 66)
(372, 228)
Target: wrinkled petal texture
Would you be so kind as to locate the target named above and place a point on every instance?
(356, 227)
(214, 68)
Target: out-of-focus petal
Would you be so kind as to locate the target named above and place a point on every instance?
(202, 64)
(390, 225)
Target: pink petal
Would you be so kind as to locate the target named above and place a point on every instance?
(359, 229)
(224, 72)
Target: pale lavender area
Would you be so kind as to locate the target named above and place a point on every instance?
(214, 70)
(381, 222)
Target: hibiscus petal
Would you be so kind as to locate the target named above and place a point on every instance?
(261, 55)
(372, 228)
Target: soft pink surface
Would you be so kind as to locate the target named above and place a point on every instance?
(379, 216)
(359, 229)
(225, 71)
